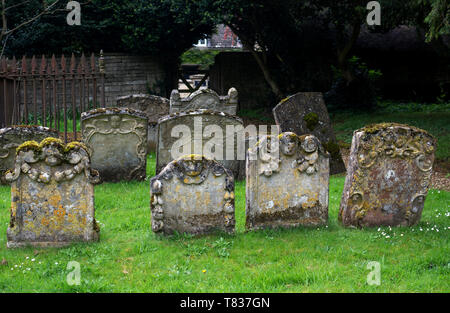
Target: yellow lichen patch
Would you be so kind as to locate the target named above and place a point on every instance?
(29, 145)
(54, 200)
(75, 145)
(50, 141)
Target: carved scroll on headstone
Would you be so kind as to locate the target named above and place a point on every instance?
(306, 113)
(206, 99)
(14, 136)
(117, 142)
(193, 195)
(389, 172)
(193, 127)
(287, 182)
(52, 195)
(154, 108)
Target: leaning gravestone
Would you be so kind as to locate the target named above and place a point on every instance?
(154, 107)
(14, 136)
(287, 182)
(182, 130)
(389, 172)
(52, 195)
(306, 113)
(117, 142)
(205, 99)
(193, 195)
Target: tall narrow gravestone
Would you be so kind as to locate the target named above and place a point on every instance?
(206, 99)
(287, 182)
(389, 172)
(14, 136)
(117, 142)
(203, 132)
(306, 113)
(193, 195)
(154, 108)
(52, 195)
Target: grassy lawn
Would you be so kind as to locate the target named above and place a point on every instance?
(130, 258)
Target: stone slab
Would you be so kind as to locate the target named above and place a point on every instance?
(306, 113)
(193, 195)
(389, 173)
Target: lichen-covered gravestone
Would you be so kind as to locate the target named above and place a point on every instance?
(178, 131)
(154, 107)
(14, 136)
(117, 142)
(192, 195)
(389, 172)
(52, 195)
(206, 99)
(287, 183)
(306, 113)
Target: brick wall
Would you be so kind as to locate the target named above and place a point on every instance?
(127, 74)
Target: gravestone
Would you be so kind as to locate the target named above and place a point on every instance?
(52, 195)
(389, 172)
(14, 136)
(192, 195)
(154, 107)
(206, 99)
(306, 113)
(192, 129)
(117, 142)
(287, 182)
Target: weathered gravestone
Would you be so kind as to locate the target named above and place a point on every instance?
(153, 106)
(14, 136)
(52, 195)
(389, 172)
(193, 195)
(117, 142)
(287, 182)
(205, 99)
(306, 113)
(200, 132)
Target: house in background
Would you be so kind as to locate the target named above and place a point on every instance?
(224, 38)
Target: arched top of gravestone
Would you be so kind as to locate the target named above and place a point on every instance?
(205, 99)
(112, 111)
(198, 112)
(192, 169)
(383, 127)
(54, 153)
(153, 106)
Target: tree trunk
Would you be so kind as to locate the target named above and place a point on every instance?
(344, 51)
(267, 76)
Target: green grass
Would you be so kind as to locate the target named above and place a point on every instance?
(436, 123)
(130, 258)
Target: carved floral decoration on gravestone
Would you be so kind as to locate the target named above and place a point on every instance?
(287, 182)
(52, 194)
(124, 127)
(12, 137)
(203, 186)
(390, 169)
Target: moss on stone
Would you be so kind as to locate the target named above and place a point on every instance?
(75, 145)
(332, 148)
(28, 145)
(311, 119)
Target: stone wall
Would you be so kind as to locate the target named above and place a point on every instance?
(127, 74)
